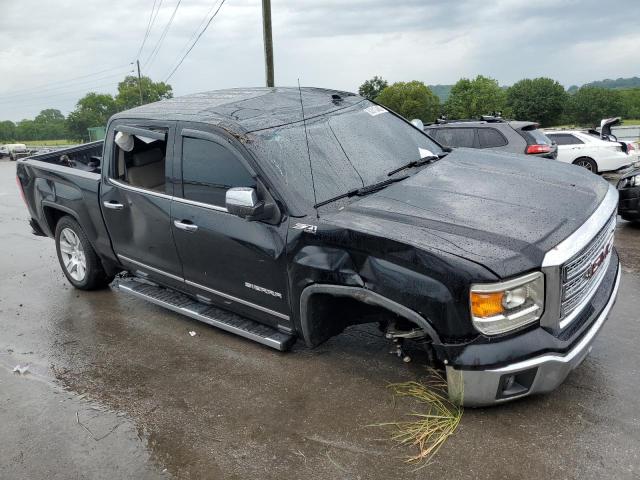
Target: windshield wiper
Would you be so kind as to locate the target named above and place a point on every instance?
(362, 190)
(417, 163)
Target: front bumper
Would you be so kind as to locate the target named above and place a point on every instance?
(539, 374)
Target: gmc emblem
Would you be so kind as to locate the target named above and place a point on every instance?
(597, 263)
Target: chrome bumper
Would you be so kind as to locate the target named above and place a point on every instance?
(477, 388)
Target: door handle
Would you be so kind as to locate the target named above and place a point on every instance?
(113, 205)
(185, 225)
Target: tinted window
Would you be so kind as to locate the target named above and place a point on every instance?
(209, 170)
(564, 139)
(456, 137)
(349, 148)
(535, 137)
(490, 137)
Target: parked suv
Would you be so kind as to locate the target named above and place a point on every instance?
(301, 223)
(493, 133)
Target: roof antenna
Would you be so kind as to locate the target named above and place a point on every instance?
(304, 122)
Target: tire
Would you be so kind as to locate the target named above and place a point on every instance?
(78, 259)
(588, 163)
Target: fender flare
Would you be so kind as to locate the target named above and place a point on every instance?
(365, 296)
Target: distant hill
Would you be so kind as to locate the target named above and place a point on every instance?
(617, 84)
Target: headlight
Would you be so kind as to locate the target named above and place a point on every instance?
(501, 307)
(633, 181)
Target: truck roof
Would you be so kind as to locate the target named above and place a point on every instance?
(244, 110)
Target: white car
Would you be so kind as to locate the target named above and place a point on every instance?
(589, 151)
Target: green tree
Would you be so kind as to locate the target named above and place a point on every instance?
(631, 102)
(411, 100)
(50, 125)
(92, 110)
(7, 131)
(541, 99)
(472, 98)
(591, 104)
(129, 92)
(372, 88)
(26, 130)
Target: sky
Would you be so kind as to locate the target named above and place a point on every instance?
(52, 53)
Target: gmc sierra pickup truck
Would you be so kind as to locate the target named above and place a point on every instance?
(279, 214)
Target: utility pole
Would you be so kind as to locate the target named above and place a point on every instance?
(139, 82)
(268, 41)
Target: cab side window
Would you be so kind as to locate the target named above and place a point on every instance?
(140, 161)
(209, 170)
(456, 137)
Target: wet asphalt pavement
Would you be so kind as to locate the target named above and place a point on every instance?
(117, 388)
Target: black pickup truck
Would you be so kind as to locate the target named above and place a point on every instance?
(281, 213)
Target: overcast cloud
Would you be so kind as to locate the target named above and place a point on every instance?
(45, 46)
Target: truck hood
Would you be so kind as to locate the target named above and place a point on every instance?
(502, 211)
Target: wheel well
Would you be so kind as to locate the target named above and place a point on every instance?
(53, 215)
(326, 310)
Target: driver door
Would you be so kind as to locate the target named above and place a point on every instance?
(227, 260)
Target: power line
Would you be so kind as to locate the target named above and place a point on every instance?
(48, 91)
(195, 42)
(76, 89)
(60, 97)
(155, 51)
(195, 32)
(146, 33)
(66, 81)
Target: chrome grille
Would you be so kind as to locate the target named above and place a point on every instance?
(582, 274)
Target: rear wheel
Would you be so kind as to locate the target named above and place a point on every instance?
(586, 162)
(78, 259)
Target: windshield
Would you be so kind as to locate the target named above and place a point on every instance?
(349, 148)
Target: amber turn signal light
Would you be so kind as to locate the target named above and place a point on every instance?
(486, 304)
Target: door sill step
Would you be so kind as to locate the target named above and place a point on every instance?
(230, 322)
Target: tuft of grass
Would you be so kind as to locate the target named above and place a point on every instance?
(429, 430)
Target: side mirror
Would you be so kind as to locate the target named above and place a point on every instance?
(243, 202)
(416, 122)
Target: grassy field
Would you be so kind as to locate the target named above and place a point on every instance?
(48, 143)
(633, 121)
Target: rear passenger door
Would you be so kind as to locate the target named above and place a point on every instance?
(227, 260)
(135, 198)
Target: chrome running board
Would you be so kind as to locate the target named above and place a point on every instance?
(222, 319)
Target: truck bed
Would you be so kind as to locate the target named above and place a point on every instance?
(66, 182)
(86, 157)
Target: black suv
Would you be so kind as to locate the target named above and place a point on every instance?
(494, 133)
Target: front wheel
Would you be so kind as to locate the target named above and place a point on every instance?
(587, 163)
(78, 259)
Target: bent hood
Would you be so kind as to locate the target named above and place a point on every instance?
(502, 211)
